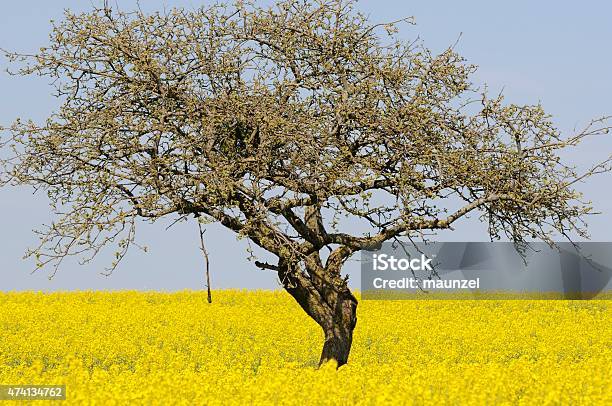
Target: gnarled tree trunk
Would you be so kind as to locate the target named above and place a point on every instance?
(325, 297)
(339, 333)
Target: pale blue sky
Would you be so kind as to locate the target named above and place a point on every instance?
(556, 52)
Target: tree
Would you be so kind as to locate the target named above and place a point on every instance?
(277, 123)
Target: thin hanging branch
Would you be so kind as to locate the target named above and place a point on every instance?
(206, 261)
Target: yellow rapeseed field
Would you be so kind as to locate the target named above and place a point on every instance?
(260, 348)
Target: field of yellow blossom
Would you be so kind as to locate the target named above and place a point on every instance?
(251, 347)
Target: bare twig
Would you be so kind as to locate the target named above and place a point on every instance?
(206, 261)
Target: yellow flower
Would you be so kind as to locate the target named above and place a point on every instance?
(252, 347)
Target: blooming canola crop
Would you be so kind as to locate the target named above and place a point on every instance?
(258, 347)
